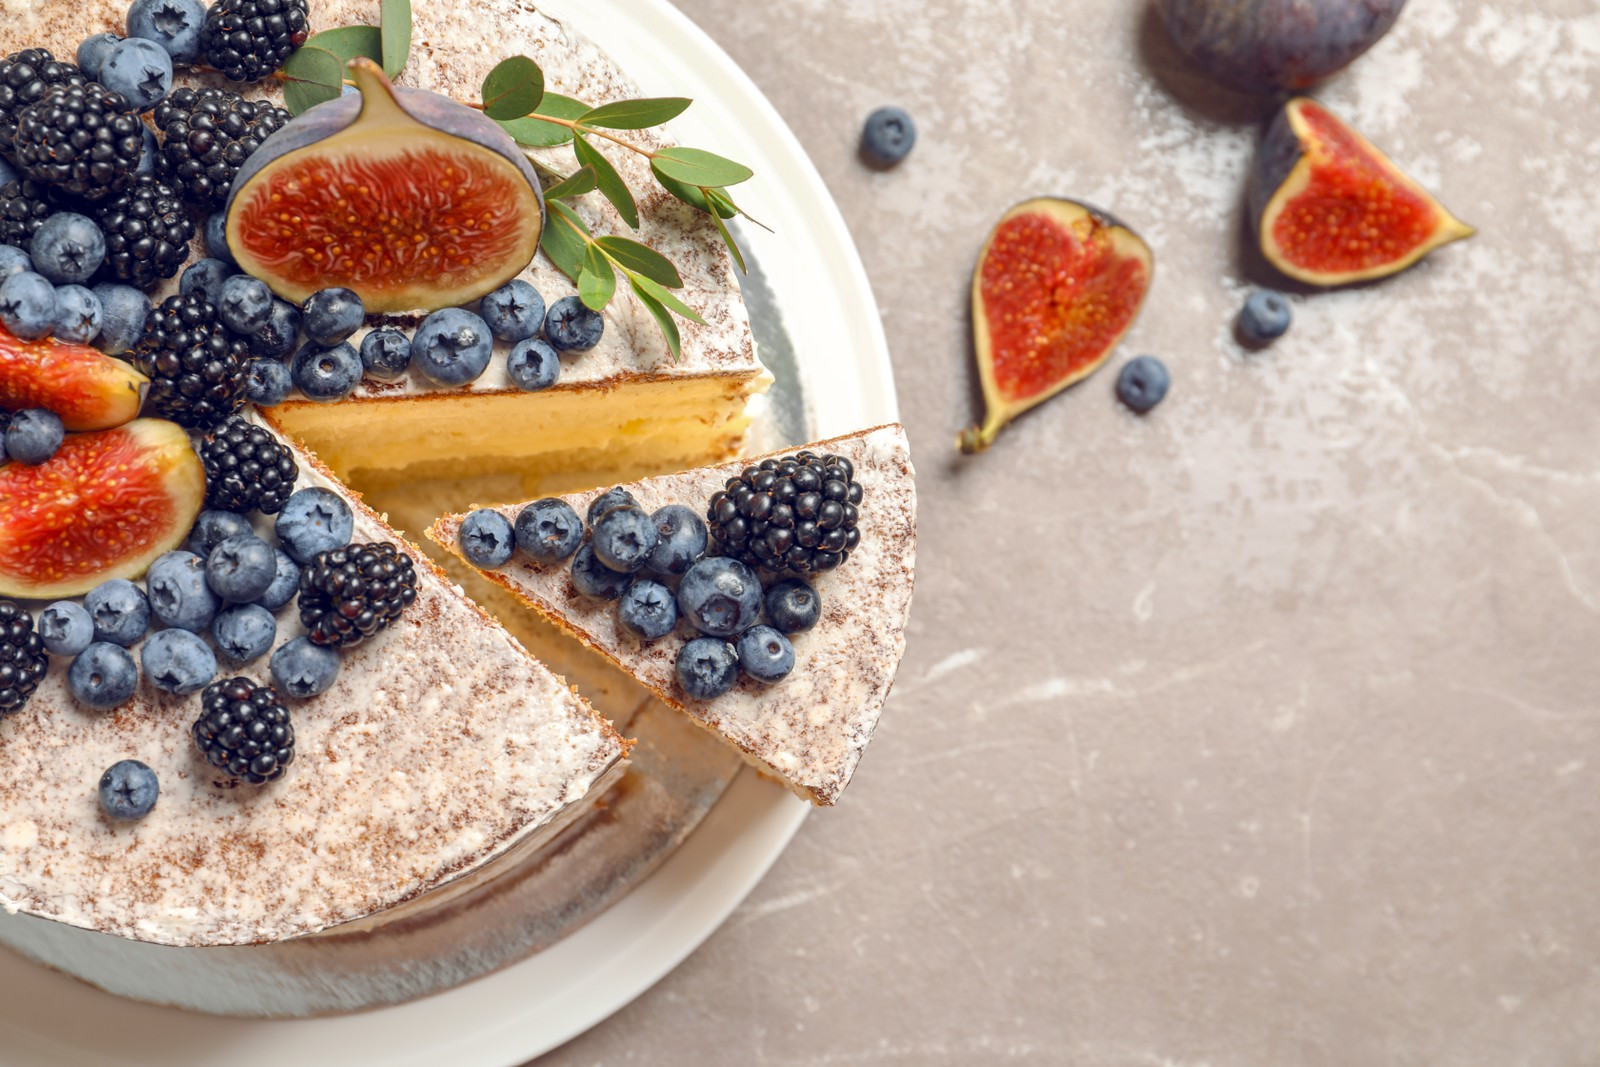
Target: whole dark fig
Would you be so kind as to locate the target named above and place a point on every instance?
(1264, 46)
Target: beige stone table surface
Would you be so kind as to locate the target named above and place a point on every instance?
(1260, 731)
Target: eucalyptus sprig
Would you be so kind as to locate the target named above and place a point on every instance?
(514, 96)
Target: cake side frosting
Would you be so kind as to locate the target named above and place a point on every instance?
(810, 729)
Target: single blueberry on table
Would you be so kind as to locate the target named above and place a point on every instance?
(514, 312)
(103, 676)
(93, 51)
(887, 136)
(680, 540)
(452, 347)
(65, 628)
(216, 238)
(178, 662)
(245, 304)
(548, 530)
(128, 790)
(28, 306)
(1264, 318)
(123, 313)
(647, 610)
(241, 569)
(487, 539)
(332, 315)
(179, 594)
(720, 596)
(205, 276)
(267, 382)
(302, 669)
(285, 582)
(326, 374)
(1143, 383)
(623, 538)
(14, 260)
(386, 353)
(244, 632)
(793, 606)
(33, 436)
(119, 611)
(172, 24)
(78, 315)
(533, 365)
(707, 667)
(594, 579)
(281, 333)
(214, 526)
(615, 497)
(571, 327)
(140, 70)
(765, 654)
(314, 520)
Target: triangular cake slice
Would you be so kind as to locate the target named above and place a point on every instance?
(809, 730)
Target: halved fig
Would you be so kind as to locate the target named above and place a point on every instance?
(1263, 46)
(1330, 209)
(104, 506)
(1057, 285)
(87, 389)
(404, 196)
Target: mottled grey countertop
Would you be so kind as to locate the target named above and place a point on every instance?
(1263, 730)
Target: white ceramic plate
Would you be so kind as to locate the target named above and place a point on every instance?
(809, 261)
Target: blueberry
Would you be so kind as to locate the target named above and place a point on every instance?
(34, 436)
(285, 582)
(267, 382)
(332, 315)
(205, 276)
(8, 173)
(245, 304)
(624, 538)
(793, 606)
(680, 540)
(147, 151)
(93, 51)
(172, 24)
(281, 333)
(707, 667)
(326, 374)
(78, 314)
(514, 311)
(65, 628)
(1143, 383)
(28, 306)
(140, 70)
(487, 539)
(765, 654)
(103, 676)
(213, 527)
(594, 579)
(14, 260)
(614, 497)
(178, 662)
(548, 530)
(119, 611)
(216, 238)
(887, 136)
(533, 365)
(123, 313)
(1264, 318)
(179, 595)
(452, 346)
(68, 247)
(720, 596)
(386, 353)
(647, 610)
(244, 632)
(314, 520)
(241, 568)
(303, 669)
(572, 327)
(128, 790)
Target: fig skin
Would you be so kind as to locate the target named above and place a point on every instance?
(1268, 46)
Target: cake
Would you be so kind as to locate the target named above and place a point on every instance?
(808, 731)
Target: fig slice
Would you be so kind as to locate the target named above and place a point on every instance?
(104, 506)
(408, 198)
(1331, 209)
(1263, 46)
(86, 388)
(1057, 285)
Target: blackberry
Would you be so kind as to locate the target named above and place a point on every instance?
(195, 366)
(244, 729)
(209, 135)
(83, 140)
(247, 469)
(248, 39)
(147, 233)
(348, 594)
(23, 208)
(25, 76)
(22, 658)
(796, 514)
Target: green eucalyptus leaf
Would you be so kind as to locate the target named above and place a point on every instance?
(641, 259)
(636, 114)
(395, 26)
(531, 132)
(727, 239)
(612, 187)
(349, 42)
(658, 311)
(561, 107)
(689, 194)
(663, 297)
(597, 281)
(312, 76)
(695, 166)
(513, 88)
(562, 239)
(577, 183)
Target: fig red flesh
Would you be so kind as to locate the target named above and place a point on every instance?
(87, 389)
